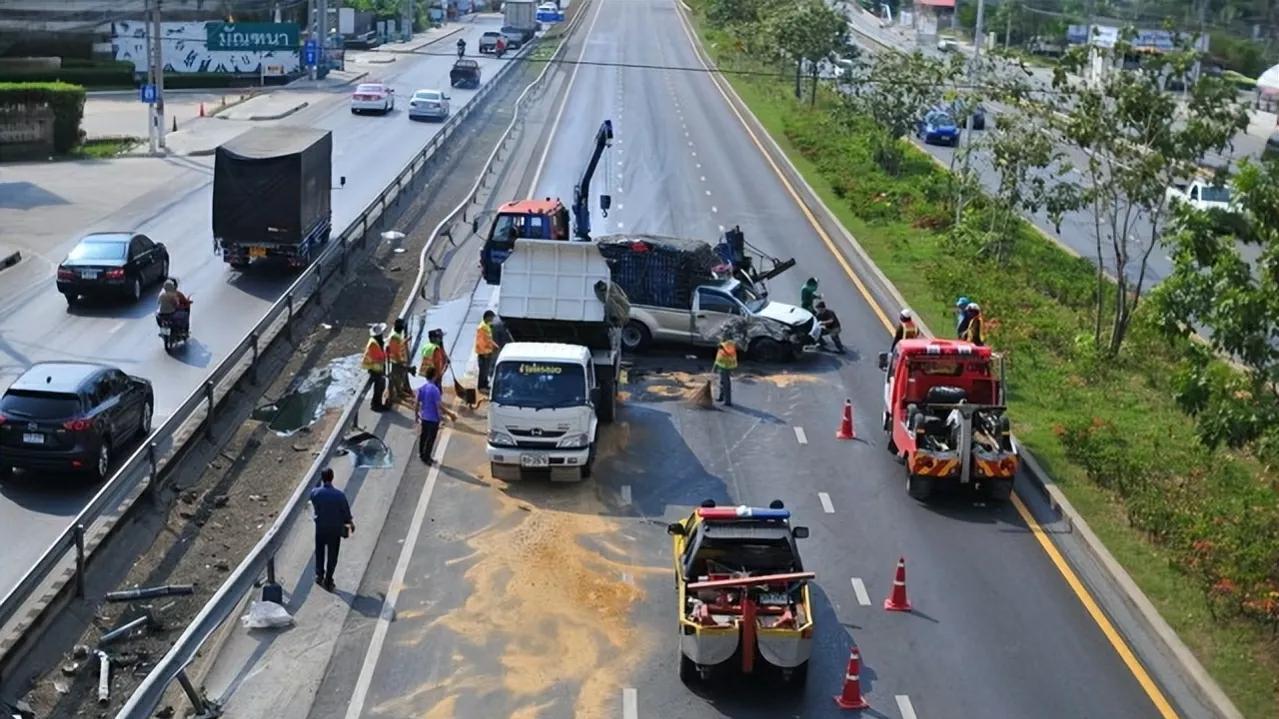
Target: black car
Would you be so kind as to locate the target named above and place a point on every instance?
(112, 263)
(465, 73)
(72, 417)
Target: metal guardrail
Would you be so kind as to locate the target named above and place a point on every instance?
(147, 698)
(199, 408)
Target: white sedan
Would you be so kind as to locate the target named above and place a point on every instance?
(429, 105)
(372, 97)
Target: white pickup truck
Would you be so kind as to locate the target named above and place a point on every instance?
(1201, 195)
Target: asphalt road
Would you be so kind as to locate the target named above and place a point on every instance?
(557, 601)
(35, 324)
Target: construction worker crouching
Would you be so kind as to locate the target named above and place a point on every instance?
(374, 362)
(725, 363)
(907, 328)
(397, 355)
(972, 327)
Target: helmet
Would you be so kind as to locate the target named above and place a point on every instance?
(170, 285)
(962, 302)
(906, 315)
(973, 308)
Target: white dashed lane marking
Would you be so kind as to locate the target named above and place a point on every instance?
(827, 506)
(859, 588)
(904, 706)
(799, 431)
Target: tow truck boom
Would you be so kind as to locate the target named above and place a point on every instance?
(582, 191)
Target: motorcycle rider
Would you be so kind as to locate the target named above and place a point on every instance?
(461, 47)
(172, 305)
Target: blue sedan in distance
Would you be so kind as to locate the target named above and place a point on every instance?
(938, 128)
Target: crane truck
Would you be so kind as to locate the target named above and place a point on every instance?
(545, 219)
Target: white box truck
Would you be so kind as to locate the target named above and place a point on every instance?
(556, 382)
(519, 22)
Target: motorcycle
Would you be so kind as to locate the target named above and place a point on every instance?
(175, 329)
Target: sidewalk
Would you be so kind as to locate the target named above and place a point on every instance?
(277, 673)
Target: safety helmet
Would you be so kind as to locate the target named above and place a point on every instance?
(170, 285)
(962, 302)
(973, 307)
(906, 315)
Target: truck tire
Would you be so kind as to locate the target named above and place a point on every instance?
(798, 677)
(1001, 491)
(918, 487)
(687, 669)
(766, 349)
(635, 336)
(608, 399)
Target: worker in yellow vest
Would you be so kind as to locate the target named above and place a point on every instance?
(485, 349)
(374, 362)
(433, 355)
(972, 329)
(725, 363)
(907, 328)
(397, 355)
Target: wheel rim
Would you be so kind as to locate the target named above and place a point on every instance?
(146, 419)
(137, 289)
(104, 459)
(630, 337)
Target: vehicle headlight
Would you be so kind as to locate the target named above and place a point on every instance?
(501, 439)
(573, 441)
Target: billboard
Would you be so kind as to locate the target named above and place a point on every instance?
(260, 36)
(185, 49)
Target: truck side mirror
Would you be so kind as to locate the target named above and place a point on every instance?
(883, 361)
(799, 532)
(342, 181)
(606, 201)
(676, 529)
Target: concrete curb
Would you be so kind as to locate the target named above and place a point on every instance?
(1189, 666)
(277, 116)
(10, 260)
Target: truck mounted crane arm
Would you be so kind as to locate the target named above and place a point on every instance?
(582, 191)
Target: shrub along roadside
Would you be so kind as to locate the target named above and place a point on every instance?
(66, 101)
(1196, 528)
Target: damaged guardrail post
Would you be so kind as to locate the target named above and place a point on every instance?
(78, 532)
(288, 324)
(204, 708)
(272, 591)
(208, 421)
(253, 368)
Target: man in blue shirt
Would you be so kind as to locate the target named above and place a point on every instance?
(332, 522)
(430, 405)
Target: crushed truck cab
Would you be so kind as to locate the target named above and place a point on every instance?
(743, 594)
(945, 417)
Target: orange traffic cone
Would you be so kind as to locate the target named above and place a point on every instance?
(202, 109)
(846, 425)
(897, 601)
(850, 697)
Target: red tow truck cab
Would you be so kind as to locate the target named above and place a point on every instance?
(945, 417)
(526, 219)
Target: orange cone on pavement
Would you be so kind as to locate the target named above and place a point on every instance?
(846, 425)
(897, 601)
(850, 697)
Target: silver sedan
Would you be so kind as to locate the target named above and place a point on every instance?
(429, 105)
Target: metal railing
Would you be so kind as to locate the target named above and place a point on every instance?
(72, 547)
(147, 698)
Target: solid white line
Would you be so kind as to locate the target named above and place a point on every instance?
(859, 588)
(826, 503)
(356, 707)
(630, 704)
(904, 706)
(555, 126)
(626, 494)
(799, 431)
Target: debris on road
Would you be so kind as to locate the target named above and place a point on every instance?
(104, 677)
(166, 590)
(140, 623)
(266, 615)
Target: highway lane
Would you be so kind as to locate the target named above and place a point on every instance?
(997, 632)
(35, 324)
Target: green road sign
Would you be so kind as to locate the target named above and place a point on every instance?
(252, 36)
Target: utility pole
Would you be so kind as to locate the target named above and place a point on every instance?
(155, 76)
(406, 21)
(978, 41)
(323, 24)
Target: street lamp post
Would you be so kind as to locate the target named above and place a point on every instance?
(968, 121)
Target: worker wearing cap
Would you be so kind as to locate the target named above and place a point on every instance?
(374, 361)
(397, 355)
(907, 328)
(973, 325)
(961, 316)
(433, 355)
(485, 348)
(725, 363)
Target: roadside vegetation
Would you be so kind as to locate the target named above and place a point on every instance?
(1165, 449)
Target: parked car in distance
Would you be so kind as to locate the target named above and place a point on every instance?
(429, 105)
(947, 44)
(372, 97)
(937, 128)
(72, 417)
(112, 263)
(492, 43)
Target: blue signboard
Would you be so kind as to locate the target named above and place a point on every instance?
(549, 14)
(146, 93)
(310, 52)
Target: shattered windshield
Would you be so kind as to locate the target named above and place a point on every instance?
(753, 302)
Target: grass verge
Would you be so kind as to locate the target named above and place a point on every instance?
(103, 148)
(1196, 528)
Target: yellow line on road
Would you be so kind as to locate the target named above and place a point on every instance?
(1072, 580)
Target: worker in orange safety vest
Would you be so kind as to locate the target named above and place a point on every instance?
(725, 363)
(374, 362)
(397, 355)
(433, 355)
(485, 348)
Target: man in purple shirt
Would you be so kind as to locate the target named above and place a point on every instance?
(430, 405)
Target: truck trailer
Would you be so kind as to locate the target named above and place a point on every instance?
(519, 22)
(556, 382)
(271, 195)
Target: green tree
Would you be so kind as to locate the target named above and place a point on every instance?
(1236, 305)
(807, 30)
(1139, 139)
(894, 89)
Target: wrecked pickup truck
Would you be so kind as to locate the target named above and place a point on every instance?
(685, 291)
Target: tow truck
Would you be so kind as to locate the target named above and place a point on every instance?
(743, 593)
(945, 417)
(545, 219)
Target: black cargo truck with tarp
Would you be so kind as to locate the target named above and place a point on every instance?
(271, 190)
